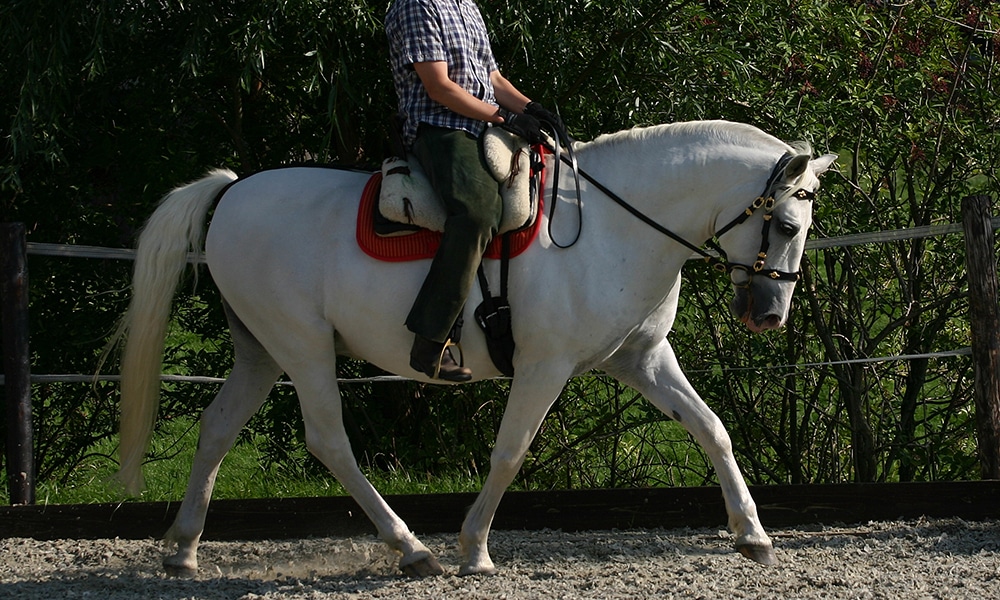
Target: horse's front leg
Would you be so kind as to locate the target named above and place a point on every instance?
(656, 374)
(532, 393)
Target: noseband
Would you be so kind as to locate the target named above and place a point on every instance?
(719, 261)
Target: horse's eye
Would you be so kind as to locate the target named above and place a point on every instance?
(788, 229)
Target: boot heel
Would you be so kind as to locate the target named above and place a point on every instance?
(435, 360)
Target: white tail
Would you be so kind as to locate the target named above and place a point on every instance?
(176, 226)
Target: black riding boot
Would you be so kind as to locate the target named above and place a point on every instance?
(434, 360)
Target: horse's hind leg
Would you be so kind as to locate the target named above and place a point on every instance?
(314, 374)
(657, 376)
(243, 393)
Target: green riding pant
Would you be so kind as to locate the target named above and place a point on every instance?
(455, 165)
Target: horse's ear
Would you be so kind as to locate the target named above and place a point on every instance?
(796, 166)
(821, 164)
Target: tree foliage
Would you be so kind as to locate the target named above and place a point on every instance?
(111, 104)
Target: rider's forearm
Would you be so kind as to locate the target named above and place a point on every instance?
(508, 96)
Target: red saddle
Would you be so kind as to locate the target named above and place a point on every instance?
(423, 243)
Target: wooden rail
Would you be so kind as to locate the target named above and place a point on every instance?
(288, 518)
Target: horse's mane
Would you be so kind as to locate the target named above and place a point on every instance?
(724, 131)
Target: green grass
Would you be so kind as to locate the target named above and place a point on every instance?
(244, 474)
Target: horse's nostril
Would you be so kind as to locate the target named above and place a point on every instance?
(771, 322)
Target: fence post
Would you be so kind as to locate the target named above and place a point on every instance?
(985, 323)
(16, 363)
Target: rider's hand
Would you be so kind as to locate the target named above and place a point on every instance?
(523, 125)
(535, 109)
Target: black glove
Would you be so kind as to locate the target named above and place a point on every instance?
(535, 109)
(523, 125)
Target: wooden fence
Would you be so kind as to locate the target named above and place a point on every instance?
(573, 510)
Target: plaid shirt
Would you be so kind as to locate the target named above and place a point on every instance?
(438, 30)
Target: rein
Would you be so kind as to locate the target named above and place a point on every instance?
(721, 262)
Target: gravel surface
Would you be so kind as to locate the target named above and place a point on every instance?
(893, 560)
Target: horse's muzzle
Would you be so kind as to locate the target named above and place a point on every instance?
(759, 308)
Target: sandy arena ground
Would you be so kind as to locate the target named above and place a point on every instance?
(892, 560)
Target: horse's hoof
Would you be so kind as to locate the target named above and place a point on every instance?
(474, 570)
(180, 571)
(758, 553)
(424, 567)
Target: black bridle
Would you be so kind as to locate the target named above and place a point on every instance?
(719, 261)
(765, 201)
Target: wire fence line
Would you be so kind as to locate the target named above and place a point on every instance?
(856, 239)
(200, 379)
(894, 235)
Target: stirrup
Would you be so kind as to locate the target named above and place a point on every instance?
(444, 348)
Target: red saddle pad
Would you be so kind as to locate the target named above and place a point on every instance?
(424, 243)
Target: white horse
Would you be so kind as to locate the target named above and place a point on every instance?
(298, 292)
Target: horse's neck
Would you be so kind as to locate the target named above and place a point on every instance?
(681, 183)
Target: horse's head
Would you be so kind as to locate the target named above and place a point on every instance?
(765, 250)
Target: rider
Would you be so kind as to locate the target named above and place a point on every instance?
(449, 89)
